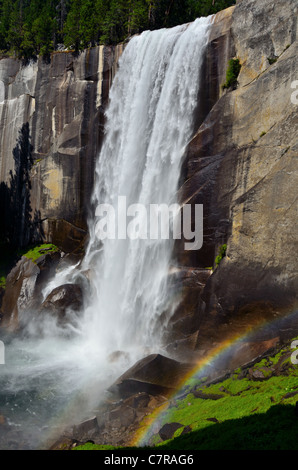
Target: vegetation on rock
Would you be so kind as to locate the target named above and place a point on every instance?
(34, 253)
(2, 282)
(221, 254)
(254, 408)
(233, 71)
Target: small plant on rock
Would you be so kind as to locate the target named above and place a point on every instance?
(233, 71)
(221, 254)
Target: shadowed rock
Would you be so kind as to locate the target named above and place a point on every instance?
(155, 374)
(24, 285)
(62, 300)
(168, 430)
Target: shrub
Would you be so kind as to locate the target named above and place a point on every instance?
(233, 71)
(2, 282)
(272, 60)
(221, 254)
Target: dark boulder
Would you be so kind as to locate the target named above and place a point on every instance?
(168, 430)
(154, 374)
(62, 300)
(86, 429)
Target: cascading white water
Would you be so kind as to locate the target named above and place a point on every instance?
(149, 123)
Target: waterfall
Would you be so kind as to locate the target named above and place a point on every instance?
(149, 122)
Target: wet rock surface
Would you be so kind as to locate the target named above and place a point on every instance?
(65, 299)
(24, 285)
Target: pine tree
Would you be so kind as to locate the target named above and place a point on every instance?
(72, 35)
(5, 14)
(30, 27)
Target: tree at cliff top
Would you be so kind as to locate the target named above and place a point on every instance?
(28, 27)
(31, 27)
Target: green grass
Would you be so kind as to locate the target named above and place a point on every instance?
(251, 415)
(36, 252)
(276, 429)
(90, 446)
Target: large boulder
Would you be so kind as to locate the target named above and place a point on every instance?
(63, 301)
(24, 285)
(154, 374)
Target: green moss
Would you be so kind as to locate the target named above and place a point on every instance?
(251, 415)
(232, 74)
(275, 429)
(36, 252)
(251, 406)
(272, 60)
(221, 254)
(2, 282)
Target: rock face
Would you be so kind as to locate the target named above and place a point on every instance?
(24, 286)
(242, 166)
(54, 112)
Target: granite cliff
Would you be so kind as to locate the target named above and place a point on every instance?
(55, 110)
(241, 164)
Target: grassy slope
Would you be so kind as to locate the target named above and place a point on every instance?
(251, 413)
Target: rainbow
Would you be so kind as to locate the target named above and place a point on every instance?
(153, 423)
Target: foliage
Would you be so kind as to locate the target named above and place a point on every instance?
(32, 27)
(221, 254)
(272, 60)
(253, 414)
(34, 253)
(233, 71)
(2, 282)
